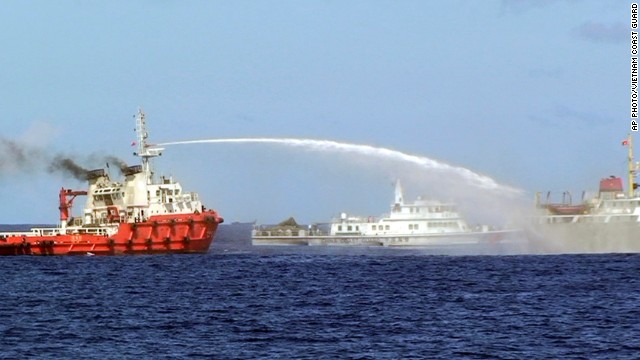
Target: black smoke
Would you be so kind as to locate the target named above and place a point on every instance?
(22, 158)
(66, 165)
(15, 156)
(121, 164)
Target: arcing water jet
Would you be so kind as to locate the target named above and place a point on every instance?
(478, 180)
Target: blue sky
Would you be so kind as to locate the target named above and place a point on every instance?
(534, 94)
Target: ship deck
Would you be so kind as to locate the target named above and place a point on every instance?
(391, 240)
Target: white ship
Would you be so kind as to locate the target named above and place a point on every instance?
(422, 223)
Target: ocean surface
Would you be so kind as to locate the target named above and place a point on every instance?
(241, 302)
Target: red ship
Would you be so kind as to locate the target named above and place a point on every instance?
(136, 216)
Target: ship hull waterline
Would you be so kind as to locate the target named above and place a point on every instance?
(618, 237)
(163, 234)
(395, 241)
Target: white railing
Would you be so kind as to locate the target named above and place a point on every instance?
(57, 231)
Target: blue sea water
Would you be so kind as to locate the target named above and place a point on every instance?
(241, 302)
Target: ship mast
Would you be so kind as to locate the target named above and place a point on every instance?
(145, 151)
(398, 194)
(632, 172)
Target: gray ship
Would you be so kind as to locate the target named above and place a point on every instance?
(608, 222)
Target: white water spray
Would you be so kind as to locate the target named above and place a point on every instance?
(480, 181)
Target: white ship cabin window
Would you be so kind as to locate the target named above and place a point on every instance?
(339, 227)
(373, 227)
(349, 228)
(357, 228)
(410, 226)
(386, 227)
(157, 192)
(443, 224)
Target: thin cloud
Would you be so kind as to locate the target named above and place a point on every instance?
(521, 5)
(603, 33)
(561, 111)
(561, 115)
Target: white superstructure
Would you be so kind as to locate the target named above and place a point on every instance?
(422, 217)
(140, 195)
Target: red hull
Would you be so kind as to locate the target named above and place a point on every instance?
(175, 233)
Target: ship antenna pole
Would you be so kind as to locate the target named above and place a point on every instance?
(145, 151)
(631, 167)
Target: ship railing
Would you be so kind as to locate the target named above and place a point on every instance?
(53, 231)
(286, 233)
(591, 218)
(5, 234)
(90, 230)
(33, 232)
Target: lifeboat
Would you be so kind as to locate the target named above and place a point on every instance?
(562, 209)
